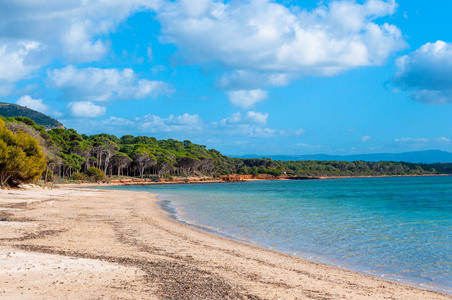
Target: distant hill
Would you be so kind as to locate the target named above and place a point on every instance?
(426, 157)
(14, 110)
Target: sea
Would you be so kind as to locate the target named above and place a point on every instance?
(398, 228)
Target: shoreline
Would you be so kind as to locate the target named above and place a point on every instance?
(166, 206)
(138, 181)
(89, 243)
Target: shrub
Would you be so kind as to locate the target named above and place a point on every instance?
(80, 176)
(95, 174)
(21, 157)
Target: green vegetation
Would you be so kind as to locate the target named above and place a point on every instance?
(21, 158)
(442, 168)
(355, 168)
(95, 174)
(14, 110)
(65, 154)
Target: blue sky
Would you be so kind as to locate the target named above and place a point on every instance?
(257, 76)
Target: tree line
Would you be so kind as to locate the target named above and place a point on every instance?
(60, 153)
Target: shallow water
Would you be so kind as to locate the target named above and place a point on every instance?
(398, 228)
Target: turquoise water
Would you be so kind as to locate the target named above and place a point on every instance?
(397, 228)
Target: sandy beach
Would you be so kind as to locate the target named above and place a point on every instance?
(74, 243)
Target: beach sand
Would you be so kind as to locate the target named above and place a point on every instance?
(73, 243)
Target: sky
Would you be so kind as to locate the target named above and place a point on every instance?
(243, 77)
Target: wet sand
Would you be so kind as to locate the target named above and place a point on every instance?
(73, 243)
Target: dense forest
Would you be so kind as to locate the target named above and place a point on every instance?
(70, 155)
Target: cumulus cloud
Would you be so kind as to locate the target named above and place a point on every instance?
(181, 123)
(78, 45)
(246, 99)
(261, 39)
(251, 117)
(35, 104)
(115, 121)
(35, 33)
(427, 73)
(185, 119)
(85, 109)
(238, 125)
(96, 84)
(256, 131)
(252, 124)
(257, 117)
(235, 118)
(15, 61)
(75, 30)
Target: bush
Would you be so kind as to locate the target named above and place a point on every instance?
(21, 157)
(95, 174)
(80, 176)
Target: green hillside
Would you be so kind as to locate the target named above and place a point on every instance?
(14, 110)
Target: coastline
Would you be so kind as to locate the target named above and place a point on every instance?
(173, 212)
(225, 179)
(84, 244)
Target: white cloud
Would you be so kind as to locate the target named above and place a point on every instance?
(427, 73)
(299, 132)
(252, 124)
(75, 30)
(35, 104)
(248, 130)
(432, 97)
(150, 53)
(241, 79)
(246, 99)
(36, 33)
(85, 109)
(96, 84)
(235, 118)
(176, 125)
(260, 132)
(185, 119)
(365, 138)
(408, 142)
(442, 140)
(182, 123)
(78, 43)
(264, 39)
(14, 60)
(158, 68)
(118, 122)
(420, 142)
(251, 117)
(257, 117)
(417, 140)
